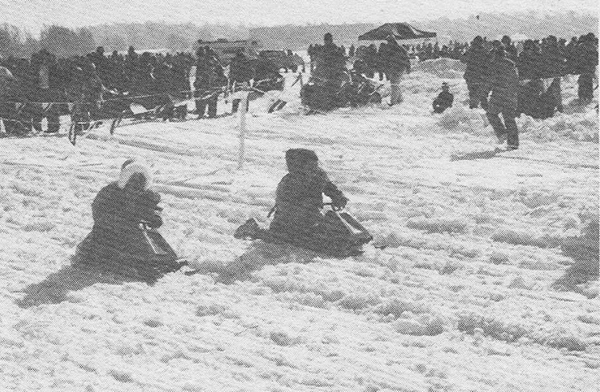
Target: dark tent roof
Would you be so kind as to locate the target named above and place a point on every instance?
(398, 30)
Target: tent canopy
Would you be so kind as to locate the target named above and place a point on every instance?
(400, 31)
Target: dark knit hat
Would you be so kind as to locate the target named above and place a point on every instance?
(296, 158)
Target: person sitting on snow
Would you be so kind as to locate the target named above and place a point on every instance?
(298, 218)
(124, 204)
(299, 198)
(125, 212)
(444, 100)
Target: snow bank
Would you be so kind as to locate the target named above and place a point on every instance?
(460, 118)
(581, 127)
(443, 68)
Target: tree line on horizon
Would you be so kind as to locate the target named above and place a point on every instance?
(61, 41)
(65, 42)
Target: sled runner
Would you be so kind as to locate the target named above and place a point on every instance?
(338, 235)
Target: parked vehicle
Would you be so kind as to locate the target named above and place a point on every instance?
(282, 59)
(226, 49)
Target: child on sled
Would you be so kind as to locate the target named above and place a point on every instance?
(297, 213)
(124, 237)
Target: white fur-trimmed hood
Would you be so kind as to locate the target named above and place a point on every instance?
(137, 166)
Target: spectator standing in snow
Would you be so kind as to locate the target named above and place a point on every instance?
(504, 84)
(10, 92)
(240, 73)
(395, 62)
(351, 51)
(444, 100)
(529, 60)
(209, 77)
(510, 48)
(477, 59)
(331, 63)
(47, 90)
(586, 62)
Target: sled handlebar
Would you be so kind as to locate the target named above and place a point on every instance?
(334, 208)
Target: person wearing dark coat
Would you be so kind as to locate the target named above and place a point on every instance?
(504, 84)
(85, 91)
(299, 219)
(331, 63)
(298, 202)
(477, 59)
(46, 91)
(554, 66)
(571, 56)
(328, 77)
(553, 62)
(587, 60)
(125, 212)
(395, 63)
(444, 100)
(529, 61)
(103, 66)
(127, 202)
(240, 73)
(529, 99)
(510, 48)
(209, 77)
(351, 51)
(122, 205)
(299, 196)
(12, 100)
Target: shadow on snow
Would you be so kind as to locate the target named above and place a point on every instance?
(470, 156)
(259, 254)
(586, 266)
(56, 288)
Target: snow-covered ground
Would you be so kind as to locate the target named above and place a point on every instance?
(473, 292)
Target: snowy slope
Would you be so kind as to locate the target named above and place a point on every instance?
(473, 292)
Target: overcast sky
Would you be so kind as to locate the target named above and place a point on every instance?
(34, 14)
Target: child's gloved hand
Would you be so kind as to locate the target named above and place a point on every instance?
(339, 202)
(155, 221)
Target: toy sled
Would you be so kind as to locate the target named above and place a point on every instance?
(338, 235)
(147, 255)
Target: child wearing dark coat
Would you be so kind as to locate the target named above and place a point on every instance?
(299, 200)
(125, 214)
(123, 205)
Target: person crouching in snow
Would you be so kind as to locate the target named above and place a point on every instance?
(444, 100)
(298, 219)
(126, 214)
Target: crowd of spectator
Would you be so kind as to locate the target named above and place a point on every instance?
(100, 86)
(540, 65)
(45, 86)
